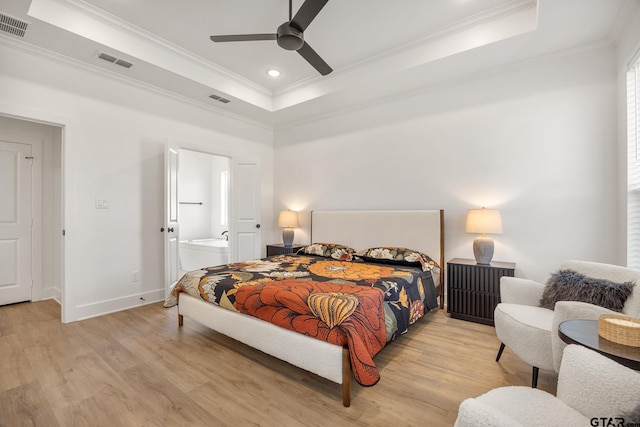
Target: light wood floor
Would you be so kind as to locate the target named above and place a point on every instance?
(137, 368)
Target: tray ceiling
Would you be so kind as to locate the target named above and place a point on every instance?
(376, 48)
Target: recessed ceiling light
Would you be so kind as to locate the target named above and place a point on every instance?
(273, 73)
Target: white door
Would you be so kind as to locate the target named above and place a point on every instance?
(15, 222)
(245, 210)
(171, 228)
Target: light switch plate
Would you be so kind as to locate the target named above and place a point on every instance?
(102, 203)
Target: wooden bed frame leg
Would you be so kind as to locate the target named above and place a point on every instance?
(180, 316)
(346, 377)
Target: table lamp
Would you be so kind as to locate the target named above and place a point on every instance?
(484, 221)
(288, 220)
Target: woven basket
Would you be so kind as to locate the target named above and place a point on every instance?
(620, 329)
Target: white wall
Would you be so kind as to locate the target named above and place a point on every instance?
(535, 140)
(114, 140)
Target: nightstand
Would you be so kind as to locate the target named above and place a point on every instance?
(473, 290)
(280, 249)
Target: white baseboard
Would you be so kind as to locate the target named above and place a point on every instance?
(100, 308)
(51, 293)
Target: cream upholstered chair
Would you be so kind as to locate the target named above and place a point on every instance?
(590, 386)
(531, 331)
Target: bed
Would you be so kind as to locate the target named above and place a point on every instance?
(420, 230)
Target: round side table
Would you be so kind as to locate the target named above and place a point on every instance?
(585, 333)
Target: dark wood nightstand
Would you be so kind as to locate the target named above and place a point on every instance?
(280, 249)
(473, 290)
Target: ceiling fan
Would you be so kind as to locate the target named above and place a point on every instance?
(290, 35)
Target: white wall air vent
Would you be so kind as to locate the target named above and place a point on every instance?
(220, 99)
(114, 60)
(12, 25)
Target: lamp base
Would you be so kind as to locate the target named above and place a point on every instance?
(287, 237)
(483, 250)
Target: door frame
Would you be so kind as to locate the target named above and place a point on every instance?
(181, 144)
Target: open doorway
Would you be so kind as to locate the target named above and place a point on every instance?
(35, 254)
(203, 209)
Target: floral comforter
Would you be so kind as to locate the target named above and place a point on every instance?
(361, 305)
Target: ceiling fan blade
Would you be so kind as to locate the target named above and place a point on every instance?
(307, 13)
(244, 37)
(314, 59)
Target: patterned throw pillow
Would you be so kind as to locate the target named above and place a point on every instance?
(329, 250)
(398, 256)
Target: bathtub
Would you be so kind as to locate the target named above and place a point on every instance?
(199, 253)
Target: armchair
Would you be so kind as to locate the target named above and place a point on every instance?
(590, 387)
(531, 331)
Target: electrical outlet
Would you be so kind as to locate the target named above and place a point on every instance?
(135, 276)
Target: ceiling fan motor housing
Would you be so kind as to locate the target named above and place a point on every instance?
(290, 38)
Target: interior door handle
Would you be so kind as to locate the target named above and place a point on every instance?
(257, 225)
(170, 230)
(162, 230)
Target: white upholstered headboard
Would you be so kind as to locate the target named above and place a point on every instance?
(422, 230)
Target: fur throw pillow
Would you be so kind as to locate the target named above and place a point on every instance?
(569, 285)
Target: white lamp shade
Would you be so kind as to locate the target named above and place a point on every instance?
(484, 221)
(288, 219)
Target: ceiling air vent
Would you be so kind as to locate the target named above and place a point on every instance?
(220, 99)
(11, 25)
(114, 60)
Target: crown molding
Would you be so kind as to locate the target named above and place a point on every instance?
(623, 20)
